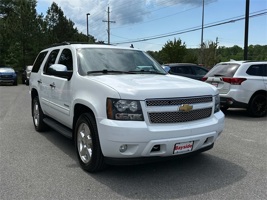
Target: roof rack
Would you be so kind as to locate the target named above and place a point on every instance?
(67, 43)
(72, 42)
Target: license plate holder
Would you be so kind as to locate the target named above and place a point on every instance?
(214, 84)
(183, 147)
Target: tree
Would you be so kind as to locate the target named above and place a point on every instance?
(209, 53)
(61, 29)
(173, 51)
(19, 33)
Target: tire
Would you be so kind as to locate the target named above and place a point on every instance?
(258, 105)
(15, 82)
(224, 108)
(38, 115)
(87, 144)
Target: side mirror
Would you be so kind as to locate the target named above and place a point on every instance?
(166, 68)
(60, 71)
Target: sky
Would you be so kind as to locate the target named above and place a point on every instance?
(150, 24)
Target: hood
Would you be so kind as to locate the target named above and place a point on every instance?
(145, 86)
(8, 73)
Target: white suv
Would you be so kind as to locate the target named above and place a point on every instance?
(241, 84)
(120, 106)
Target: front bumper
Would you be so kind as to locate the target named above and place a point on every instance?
(231, 102)
(7, 80)
(141, 139)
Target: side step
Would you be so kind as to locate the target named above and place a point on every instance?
(58, 127)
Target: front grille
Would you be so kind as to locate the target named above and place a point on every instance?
(175, 117)
(178, 101)
(6, 76)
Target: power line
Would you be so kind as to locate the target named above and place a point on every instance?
(190, 29)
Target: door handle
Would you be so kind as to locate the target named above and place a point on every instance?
(39, 81)
(52, 85)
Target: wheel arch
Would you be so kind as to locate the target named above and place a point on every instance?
(34, 94)
(256, 93)
(78, 110)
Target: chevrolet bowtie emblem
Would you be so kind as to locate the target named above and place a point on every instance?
(185, 108)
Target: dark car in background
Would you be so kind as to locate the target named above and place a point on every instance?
(186, 69)
(26, 74)
(8, 75)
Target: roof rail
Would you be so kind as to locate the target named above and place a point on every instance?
(72, 42)
(67, 43)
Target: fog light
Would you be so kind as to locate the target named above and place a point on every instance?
(123, 148)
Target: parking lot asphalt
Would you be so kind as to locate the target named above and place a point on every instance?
(44, 166)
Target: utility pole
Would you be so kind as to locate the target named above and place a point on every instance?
(202, 28)
(87, 27)
(108, 21)
(246, 31)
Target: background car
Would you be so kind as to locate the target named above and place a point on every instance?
(186, 69)
(26, 74)
(8, 75)
(241, 84)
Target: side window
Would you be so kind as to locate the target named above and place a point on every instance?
(179, 70)
(173, 70)
(256, 70)
(200, 71)
(51, 59)
(39, 60)
(185, 70)
(66, 59)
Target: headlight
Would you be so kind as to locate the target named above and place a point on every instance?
(217, 103)
(120, 109)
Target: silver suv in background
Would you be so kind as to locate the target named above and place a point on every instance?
(241, 84)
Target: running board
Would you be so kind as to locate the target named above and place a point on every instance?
(58, 127)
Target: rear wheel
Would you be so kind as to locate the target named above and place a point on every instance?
(38, 115)
(87, 144)
(258, 105)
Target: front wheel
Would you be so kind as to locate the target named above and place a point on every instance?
(87, 144)
(258, 105)
(38, 115)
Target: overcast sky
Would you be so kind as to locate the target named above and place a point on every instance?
(140, 20)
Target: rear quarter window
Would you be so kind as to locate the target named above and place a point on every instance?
(257, 70)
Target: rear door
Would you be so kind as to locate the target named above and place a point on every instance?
(220, 72)
(258, 76)
(265, 75)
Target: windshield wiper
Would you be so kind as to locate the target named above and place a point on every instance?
(104, 71)
(218, 75)
(147, 72)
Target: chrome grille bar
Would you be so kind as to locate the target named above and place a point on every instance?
(178, 101)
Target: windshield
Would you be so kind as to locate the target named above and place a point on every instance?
(223, 69)
(7, 70)
(123, 60)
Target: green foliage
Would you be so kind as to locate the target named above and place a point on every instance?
(173, 51)
(23, 33)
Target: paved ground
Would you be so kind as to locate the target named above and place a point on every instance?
(44, 166)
